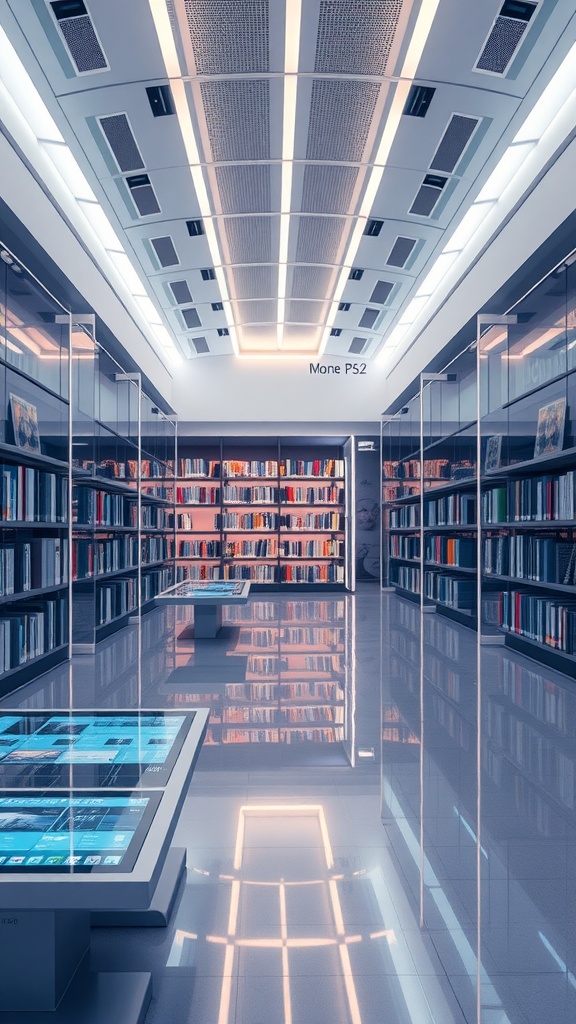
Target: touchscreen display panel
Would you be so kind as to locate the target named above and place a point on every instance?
(91, 832)
(208, 590)
(83, 750)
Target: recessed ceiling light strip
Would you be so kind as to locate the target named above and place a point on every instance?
(291, 62)
(165, 35)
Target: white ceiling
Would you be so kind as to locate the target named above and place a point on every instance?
(227, 61)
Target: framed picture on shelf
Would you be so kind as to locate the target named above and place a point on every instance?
(493, 451)
(24, 424)
(550, 429)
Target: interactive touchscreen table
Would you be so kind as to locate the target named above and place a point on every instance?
(72, 852)
(207, 599)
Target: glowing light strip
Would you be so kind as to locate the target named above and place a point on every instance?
(291, 61)
(182, 107)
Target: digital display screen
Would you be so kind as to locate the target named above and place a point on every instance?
(82, 750)
(91, 832)
(208, 590)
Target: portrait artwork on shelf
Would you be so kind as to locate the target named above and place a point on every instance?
(550, 429)
(25, 424)
(493, 450)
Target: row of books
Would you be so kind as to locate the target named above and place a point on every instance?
(329, 573)
(199, 467)
(266, 547)
(283, 691)
(247, 521)
(32, 631)
(541, 559)
(154, 581)
(116, 469)
(548, 621)
(434, 469)
(312, 495)
(445, 550)
(404, 547)
(312, 548)
(451, 510)
(452, 591)
(116, 598)
(199, 549)
(543, 498)
(158, 491)
(197, 572)
(202, 495)
(249, 467)
(254, 495)
(283, 715)
(154, 517)
(32, 495)
(32, 565)
(197, 495)
(94, 507)
(313, 521)
(312, 467)
(98, 557)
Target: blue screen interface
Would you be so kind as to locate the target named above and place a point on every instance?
(208, 590)
(89, 750)
(73, 833)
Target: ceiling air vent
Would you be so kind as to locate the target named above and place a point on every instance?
(381, 292)
(165, 251)
(373, 228)
(428, 195)
(201, 345)
(419, 99)
(195, 227)
(401, 251)
(223, 332)
(357, 346)
(343, 307)
(453, 143)
(369, 318)
(160, 100)
(355, 274)
(217, 307)
(191, 318)
(335, 332)
(208, 274)
(143, 195)
(120, 138)
(505, 36)
(181, 292)
(79, 35)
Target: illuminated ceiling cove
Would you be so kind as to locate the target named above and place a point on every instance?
(281, 177)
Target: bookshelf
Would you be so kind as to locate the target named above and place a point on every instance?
(122, 460)
(34, 472)
(272, 511)
(516, 516)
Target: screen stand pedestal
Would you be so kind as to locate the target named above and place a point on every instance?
(160, 909)
(207, 621)
(44, 977)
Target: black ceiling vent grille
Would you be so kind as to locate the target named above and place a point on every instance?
(357, 346)
(79, 35)
(453, 143)
(369, 318)
(419, 99)
(201, 345)
(355, 274)
(401, 251)
(223, 332)
(191, 318)
(195, 228)
(343, 307)
(428, 195)
(208, 274)
(505, 36)
(181, 292)
(120, 138)
(373, 228)
(160, 100)
(381, 292)
(165, 251)
(143, 194)
(335, 332)
(217, 306)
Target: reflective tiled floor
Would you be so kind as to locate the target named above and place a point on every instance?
(338, 869)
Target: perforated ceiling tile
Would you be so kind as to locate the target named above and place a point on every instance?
(299, 311)
(340, 118)
(310, 282)
(238, 119)
(83, 44)
(244, 189)
(120, 138)
(355, 36)
(319, 239)
(263, 312)
(228, 37)
(328, 189)
(453, 142)
(255, 282)
(501, 45)
(249, 239)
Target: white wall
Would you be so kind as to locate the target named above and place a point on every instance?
(213, 391)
